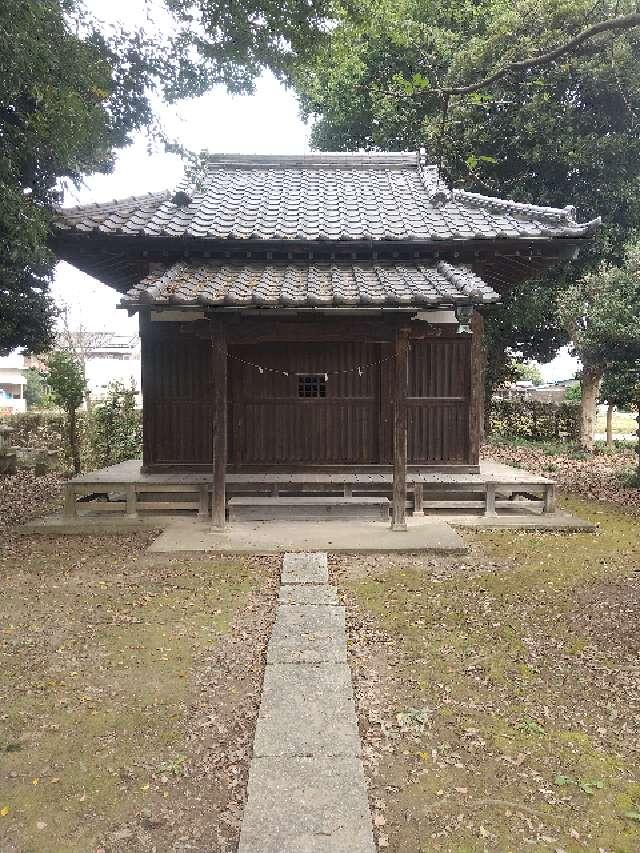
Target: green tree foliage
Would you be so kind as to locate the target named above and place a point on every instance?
(621, 385)
(232, 42)
(36, 392)
(73, 92)
(601, 312)
(66, 380)
(574, 393)
(117, 427)
(69, 96)
(563, 132)
(527, 371)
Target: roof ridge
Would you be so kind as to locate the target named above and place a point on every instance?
(321, 159)
(568, 213)
(101, 204)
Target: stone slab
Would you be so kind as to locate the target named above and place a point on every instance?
(307, 709)
(306, 805)
(427, 536)
(562, 522)
(307, 593)
(305, 568)
(308, 634)
(121, 525)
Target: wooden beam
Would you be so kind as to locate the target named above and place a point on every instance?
(401, 371)
(218, 500)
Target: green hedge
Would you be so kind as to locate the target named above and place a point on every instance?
(45, 430)
(520, 418)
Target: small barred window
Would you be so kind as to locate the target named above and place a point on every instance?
(312, 385)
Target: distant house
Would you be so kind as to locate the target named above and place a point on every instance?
(112, 358)
(13, 382)
(553, 392)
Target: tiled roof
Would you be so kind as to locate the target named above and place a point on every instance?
(311, 285)
(322, 197)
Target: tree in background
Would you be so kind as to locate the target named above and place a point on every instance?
(73, 92)
(36, 392)
(574, 393)
(117, 427)
(565, 130)
(527, 371)
(601, 314)
(65, 378)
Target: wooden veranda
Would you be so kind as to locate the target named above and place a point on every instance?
(126, 489)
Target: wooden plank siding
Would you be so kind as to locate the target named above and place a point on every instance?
(271, 425)
(177, 385)
(268, 424)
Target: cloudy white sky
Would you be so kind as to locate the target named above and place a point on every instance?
(266, 122)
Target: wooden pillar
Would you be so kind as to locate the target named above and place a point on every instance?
(478, 357)
(418, 499)
(218, 500)
(401, 378)
(70, 505)
(203, 509)
(132, 501)
(490, 500)
(550, 498)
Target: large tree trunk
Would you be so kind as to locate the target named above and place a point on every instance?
(591, 381)
(610, 409)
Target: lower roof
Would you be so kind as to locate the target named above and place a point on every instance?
(311, 285)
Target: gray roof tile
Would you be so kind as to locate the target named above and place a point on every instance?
(310, 284)
(323, 197)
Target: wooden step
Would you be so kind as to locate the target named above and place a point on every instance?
(304, 508)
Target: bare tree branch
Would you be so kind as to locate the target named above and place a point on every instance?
(622, 23)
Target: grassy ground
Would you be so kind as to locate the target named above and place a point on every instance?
(127, 698)
(499, 699)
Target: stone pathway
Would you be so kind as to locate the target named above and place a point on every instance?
(306, 790)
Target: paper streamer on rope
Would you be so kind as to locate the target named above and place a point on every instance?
(359, 368)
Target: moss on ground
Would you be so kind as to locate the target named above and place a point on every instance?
(98, 657)
(523, 658)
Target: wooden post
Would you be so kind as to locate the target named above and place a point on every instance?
(401, 377)
(70, 505)
(132, 508)
(478, 357)
(490, 500)
(418, 499)
(549, 498)
(203, 509)
(218, 501)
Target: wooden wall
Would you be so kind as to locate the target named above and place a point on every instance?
(270, 425)
(177, 392)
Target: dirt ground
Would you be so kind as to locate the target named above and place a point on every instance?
(128, 696)
(498, 695)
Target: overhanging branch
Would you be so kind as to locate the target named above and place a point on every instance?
(622, 23)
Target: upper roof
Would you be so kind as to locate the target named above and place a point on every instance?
(322, 197)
